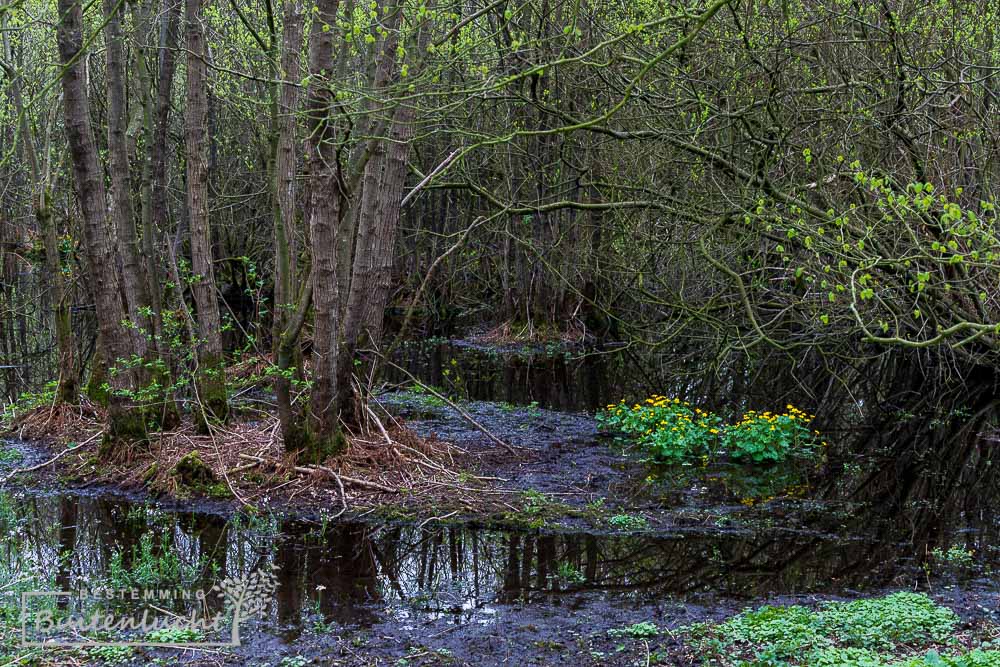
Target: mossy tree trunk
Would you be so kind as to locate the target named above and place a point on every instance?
(126, 423)
(321, 435)
(285, 104)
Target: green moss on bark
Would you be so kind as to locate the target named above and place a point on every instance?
(97, 389)
(126, 427)
(213, 405)
(314, 448)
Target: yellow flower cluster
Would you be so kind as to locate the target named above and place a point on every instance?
(792, 413)
(655, 401)
(675, 429)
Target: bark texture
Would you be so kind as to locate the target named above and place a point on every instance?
(325, 199)
(210, 378)
(125, 423)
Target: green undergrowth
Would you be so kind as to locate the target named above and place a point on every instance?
(674, 431)
(25, 403)
(899, 630)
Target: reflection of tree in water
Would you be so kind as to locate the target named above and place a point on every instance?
(555, 380)
(350, 571)
(907, 429)
(334, 570)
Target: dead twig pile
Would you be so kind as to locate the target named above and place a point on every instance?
(383, 464)
(64, 423)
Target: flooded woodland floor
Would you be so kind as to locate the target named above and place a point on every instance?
(597, 541)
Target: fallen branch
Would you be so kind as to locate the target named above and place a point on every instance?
(306, 470)
(55, 458)
(465, 415)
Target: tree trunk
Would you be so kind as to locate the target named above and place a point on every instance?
(169, 415)
(210, 377)
(287, 324)
(68, 385)
(368, 266)
(371, 275)
(159, 207)
(287, 92)
(125, 423)
(324, 436)
(142, 19)
(122, 215)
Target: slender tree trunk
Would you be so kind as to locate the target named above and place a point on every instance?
(157, 241)
(324, 436)
(287, 324)
(122, 214)
(210, 377)
(159, 206)
(125, 423)
(141, 17)
(287, 93)
(142, 13)
(68, 386)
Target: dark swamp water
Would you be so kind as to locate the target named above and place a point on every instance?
(359, 589)
(432, 593)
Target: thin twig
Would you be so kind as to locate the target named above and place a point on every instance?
(465, 415)
(55, 458)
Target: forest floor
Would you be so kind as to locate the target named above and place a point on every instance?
(427, 462)
(687, 545)
(553, 469)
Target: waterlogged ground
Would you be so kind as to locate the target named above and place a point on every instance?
(358, 594)
(607, 560)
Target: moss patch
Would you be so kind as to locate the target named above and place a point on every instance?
(313, 448)
(193, 475)
(126, 427)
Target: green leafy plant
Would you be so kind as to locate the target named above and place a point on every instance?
(152, 564)
(112, 655)
(861, 632)
(174, 635)
(570, 573)
(670, 428)
(628, 521)
(955, 556)
(643, 630)
(764, 436)
(675, 432)
(27, 402)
